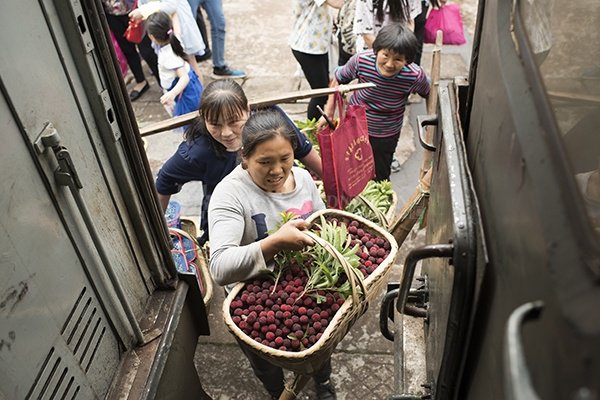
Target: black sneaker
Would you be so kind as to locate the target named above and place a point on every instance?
(325, 391)
(206, 56)
(226, 72)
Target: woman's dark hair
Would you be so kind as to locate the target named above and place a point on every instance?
(221, 99)
(399, 39)
(265, 125)
(160, 26)
(399, 10)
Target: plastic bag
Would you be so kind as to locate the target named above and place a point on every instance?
(135, 31)
(448, 20)
(120, 56)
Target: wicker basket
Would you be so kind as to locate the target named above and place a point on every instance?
(308, 361)
(386, 219)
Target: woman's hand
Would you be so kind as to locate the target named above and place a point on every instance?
(136, 15)
(291, 237)
(288, 237)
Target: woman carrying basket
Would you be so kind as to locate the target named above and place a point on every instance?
(247, 205)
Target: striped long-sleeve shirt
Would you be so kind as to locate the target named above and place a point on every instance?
(385, 103)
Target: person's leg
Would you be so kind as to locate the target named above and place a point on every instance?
(323, 385)
(316, 71)
(194, 5)
(343, 57)
(324, 373)
(118, 24)
(202, 27)
(420, 30)
(197, 14)
(214, 11)
(383, 153)
(270, 375)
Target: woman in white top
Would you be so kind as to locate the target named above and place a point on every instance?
(184, 25)
(310, 40)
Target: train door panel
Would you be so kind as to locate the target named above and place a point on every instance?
(452, 219)
(66, 108)
(68, 241)
(529, 136)
(54, 355)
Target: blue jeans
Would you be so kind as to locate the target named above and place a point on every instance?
(214, 11)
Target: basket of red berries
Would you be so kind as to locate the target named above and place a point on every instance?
(296, 315)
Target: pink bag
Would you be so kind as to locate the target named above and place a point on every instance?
(120, 56)
(346, 155)
(448, 20)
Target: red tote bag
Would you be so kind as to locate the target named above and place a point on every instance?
(346, 154)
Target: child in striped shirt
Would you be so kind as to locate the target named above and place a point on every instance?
(389, 66)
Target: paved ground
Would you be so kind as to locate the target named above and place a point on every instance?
(363, 366)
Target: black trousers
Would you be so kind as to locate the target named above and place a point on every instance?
(271, 375)
(343, 57)
(118, 25)
(316, 71)
(383, 153)
(420, 30)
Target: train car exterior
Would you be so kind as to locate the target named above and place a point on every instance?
(509, 284)
(91, 304)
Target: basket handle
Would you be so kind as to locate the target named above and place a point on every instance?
(351, 273)
(380, 215)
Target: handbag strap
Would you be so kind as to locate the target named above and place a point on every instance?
(340, 102)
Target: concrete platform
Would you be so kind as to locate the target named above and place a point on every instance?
(363, 362)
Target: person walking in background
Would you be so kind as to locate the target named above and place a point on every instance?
(389, 65)
(117, 17)
(182, 88)
(345, 31)
(247, 205)
(214, 11)
(185, 26)
(201, 22)
(310, 40)
(420, 24)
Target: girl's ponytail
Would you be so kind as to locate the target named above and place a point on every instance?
(160, 26)
(176, 44)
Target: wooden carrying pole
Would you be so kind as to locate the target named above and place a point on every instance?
(185, 119)
(417, 203)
